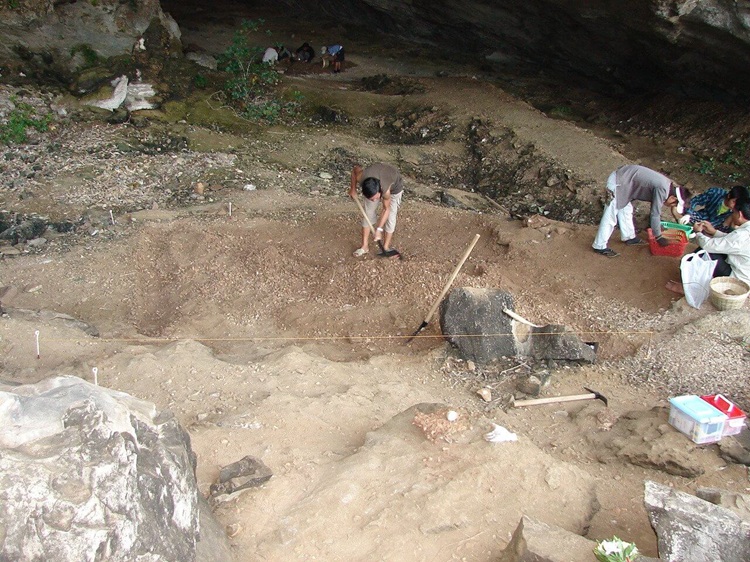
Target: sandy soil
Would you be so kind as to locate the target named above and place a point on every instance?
(263, 334)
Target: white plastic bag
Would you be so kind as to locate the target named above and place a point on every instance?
(697, 270)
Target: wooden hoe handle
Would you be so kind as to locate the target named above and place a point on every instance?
(452, 278)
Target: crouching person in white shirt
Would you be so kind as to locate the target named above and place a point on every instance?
(731, 250)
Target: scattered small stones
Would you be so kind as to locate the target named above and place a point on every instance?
(530, 385)
(439, 425)
(485, 394)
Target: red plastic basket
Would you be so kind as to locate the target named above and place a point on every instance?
(735, 417)
(678, 241)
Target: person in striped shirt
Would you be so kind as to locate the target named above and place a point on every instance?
(714, 205)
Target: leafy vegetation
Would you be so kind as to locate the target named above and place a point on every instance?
(737, 154)
(250, 83)
(271, 110)
(200, 81)
(706, 165)
(19, 120)
(90, 57)
(732, 165)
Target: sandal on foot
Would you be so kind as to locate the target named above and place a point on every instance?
(359, 252)
(607, 252)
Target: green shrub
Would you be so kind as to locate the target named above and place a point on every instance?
(200, 81)
(737, 154)
(20, 119)
(273, 109)
(562, 111)
(250, 83)
(90, 57)
(706, 165)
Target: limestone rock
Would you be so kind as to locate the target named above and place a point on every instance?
(49, 36)
(739, 503)
(690, 529)
(140, 96)
(557, 342)
(736, 449)
(246, 473)
(644, 438)
(202, 59)
(90, 473)
(535, 541)
(115, 97)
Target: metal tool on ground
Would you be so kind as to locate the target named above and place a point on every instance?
(392, 253)
(592, 395)
(447, 286)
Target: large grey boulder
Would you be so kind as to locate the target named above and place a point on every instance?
(88, 473)
(555, 341)
(475, 321)
(690, 529)
(739, 503)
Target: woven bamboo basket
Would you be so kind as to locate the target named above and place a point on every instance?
(728, 293)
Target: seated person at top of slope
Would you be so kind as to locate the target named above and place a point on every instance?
(630, 183)
(714, 205)
(270, 55)
(305, 53)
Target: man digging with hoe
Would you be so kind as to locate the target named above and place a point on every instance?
(379, 183)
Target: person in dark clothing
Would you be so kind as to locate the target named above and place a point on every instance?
(305, 53)
(284, 53)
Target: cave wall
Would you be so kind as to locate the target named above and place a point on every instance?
(698, 48)
(45, 37)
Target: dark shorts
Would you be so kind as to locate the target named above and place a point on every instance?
(338, 57)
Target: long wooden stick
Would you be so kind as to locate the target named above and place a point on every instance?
(372, 230)
(445, 288)
(554, 400)
(364, 214)
(452, 278)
